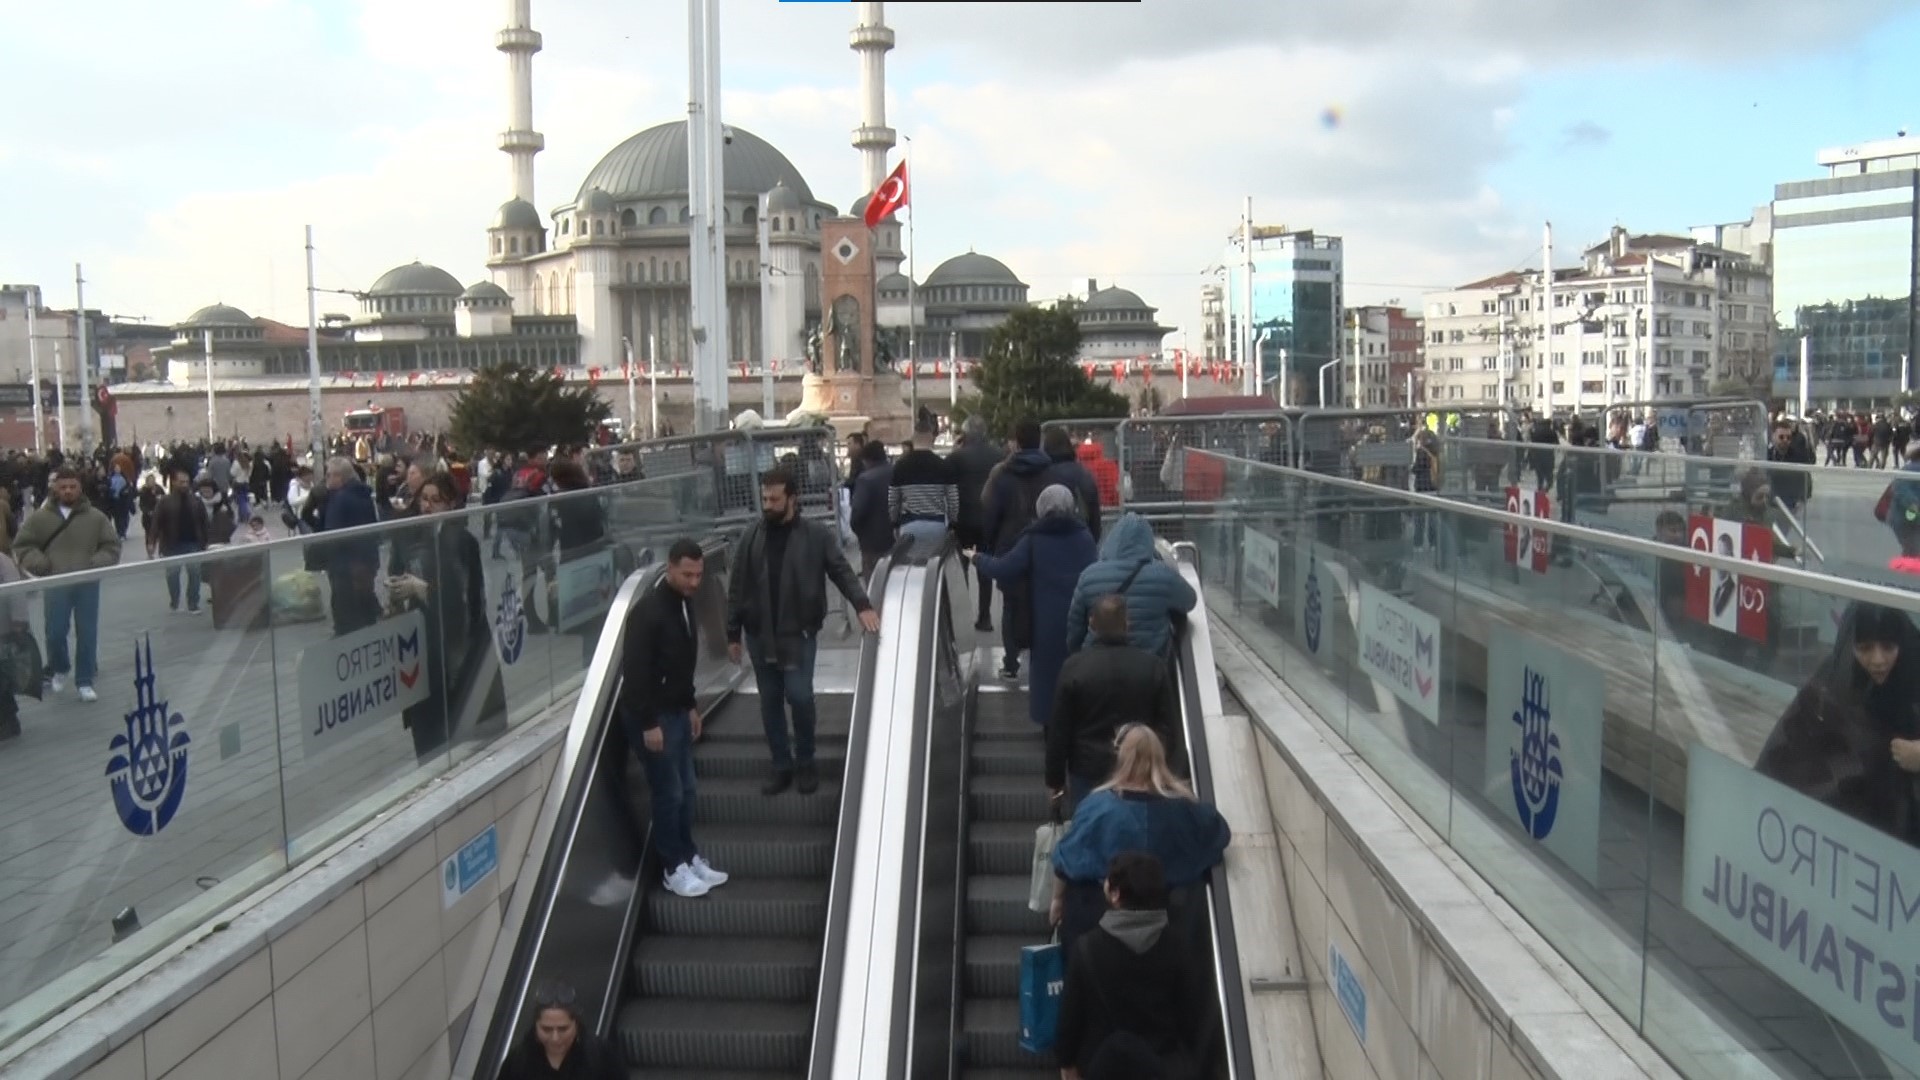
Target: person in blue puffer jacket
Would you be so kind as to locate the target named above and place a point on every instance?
(1155, 590)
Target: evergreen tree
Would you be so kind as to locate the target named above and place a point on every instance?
(1029, 371)
(517, 408)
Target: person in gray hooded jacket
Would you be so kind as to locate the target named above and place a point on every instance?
(776, 604)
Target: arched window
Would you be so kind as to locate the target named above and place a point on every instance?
(816, 219)
(628, 218)
(657, 216)
(553, 294)
(726, 214)
(790, 224)
(515, 245)
(565, 226)
(752, 215)
(686, 215)
(539, 296)
(599, 227)
(570, 308)
(496, 245)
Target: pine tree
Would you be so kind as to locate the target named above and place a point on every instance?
(517, 408)
(1029, 371)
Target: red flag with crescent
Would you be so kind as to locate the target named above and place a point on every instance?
(1088, 368)
(938, 371)
(411, 376)
(593, 376)
(379, 380)
(890, 196)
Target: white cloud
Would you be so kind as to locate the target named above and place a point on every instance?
(1070, 140)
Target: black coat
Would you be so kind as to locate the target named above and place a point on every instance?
(1101, 689)
(1157, 995)
(972, 465)
(813, 557)
(660, 658)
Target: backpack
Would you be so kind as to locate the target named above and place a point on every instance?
(1022, 510)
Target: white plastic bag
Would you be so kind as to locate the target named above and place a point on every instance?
(1040, 886)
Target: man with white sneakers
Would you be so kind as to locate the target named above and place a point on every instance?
(661, 720)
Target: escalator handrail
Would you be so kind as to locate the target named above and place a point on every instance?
(1200, 698)
(833, 946)
(505, 983)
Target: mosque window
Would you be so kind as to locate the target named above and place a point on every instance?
(628, 218)
(514, 245)
(496, 245)
(657, 216)
(565, 226)
(751, 215)
(686, 215)
(816, 220)
(599, 227)
(726, 214)
(790, 225)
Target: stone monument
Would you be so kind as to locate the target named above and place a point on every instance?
(846, 382)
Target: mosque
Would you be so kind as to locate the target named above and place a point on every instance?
(605, 275)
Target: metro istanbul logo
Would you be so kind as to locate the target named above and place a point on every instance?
(1535, 766)
(148, 770)
(407, 648)
(510, 623)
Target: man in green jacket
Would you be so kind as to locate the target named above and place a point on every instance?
(68, 533)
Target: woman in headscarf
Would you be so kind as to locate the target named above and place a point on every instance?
(1851, 737)
(1048, 558)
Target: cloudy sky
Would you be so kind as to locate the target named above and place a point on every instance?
(177, 149)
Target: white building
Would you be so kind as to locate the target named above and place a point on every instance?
(1706, 329)
(1381, 347)
(1115, 324)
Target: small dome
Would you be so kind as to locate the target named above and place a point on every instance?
(782, 197)
(596, 201)
(517, 214)
(894, 282)
(416, 279)
(973, 268)
(482, 293)
(1115, 300)
(219, 315)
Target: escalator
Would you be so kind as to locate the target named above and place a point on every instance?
(966, 873)
(734, 985)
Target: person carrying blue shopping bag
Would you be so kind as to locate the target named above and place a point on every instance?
(1042, 980)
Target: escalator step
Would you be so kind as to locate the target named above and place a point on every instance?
(1000, 847)
(993, 964)
(739, 802)
(1001, 1074)
(738, 969)
(771, 850)
(997, 904)
(710, 1074)
(992, 1030)
(748, 759)
(1004, 798)
(715, 1035)
(744, 907)
(1008, 722)
(1009, 757)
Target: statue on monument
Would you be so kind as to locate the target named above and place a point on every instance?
(813, 350)
(846, 335)
(882, 349)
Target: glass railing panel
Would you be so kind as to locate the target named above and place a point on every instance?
(1679, 768)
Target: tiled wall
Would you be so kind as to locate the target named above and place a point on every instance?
(375, 984)
(1456, 985)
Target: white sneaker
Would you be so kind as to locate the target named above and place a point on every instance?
(685, 882)
(87, 694)
(57, 683)
(704, 870)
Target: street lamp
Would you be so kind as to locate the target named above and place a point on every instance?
(1253, 364)
(1322, 383)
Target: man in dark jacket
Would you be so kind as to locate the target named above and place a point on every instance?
(1103, 688)
(1064, 468)
(1007, 510)
(662, 722)
(1132, 978)
(1790, 446)
(180, 528)
(972, 463)
(776, 602)
(867, 508)
(351, 564)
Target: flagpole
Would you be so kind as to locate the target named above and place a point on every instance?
(59, 398)
(33, 365)
(207, 342)
(653, 384)
(81, 356)
(316, 422)
(953, 370)
(913, 216)
(633, 403)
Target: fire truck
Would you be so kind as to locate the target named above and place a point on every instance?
(376, 423)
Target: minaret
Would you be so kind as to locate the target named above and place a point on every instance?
(520, 41)
(871, 39)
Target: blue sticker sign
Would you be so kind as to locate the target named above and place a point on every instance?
(510, 622)
(469, 866)
(1349, 991)
(147, 769)
(1544, 716)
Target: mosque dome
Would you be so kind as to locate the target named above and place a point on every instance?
(1115, 299)
(973, 268)
(782, 198)
(416, 279)
(653, 164)
(219, 315)
(596, 201)
(485, 292)
(517, 214)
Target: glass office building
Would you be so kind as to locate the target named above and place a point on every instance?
(1845, 256)
(1298, 294)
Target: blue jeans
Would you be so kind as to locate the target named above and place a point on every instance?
(79, 604)
(193, 581)
(780, 688)
(671, 784)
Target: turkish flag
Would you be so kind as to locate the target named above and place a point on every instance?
(891, 196)
(593, 376)
(1726, 601)
(379, 380)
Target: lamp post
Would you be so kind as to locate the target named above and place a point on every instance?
(1324, 368)
(1258, 352)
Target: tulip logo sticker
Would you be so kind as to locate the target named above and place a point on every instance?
(1535, 766)
(510, 623)
(1312, 612)
(147, 771)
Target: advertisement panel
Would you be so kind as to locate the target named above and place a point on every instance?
(1525, 547)
(1260, 563)
(1723, 600)
(1544, 714)
(1829, 904)
(1400, 648)
(583, 589)
(351, 683)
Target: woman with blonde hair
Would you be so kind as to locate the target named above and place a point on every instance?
(1143, 807)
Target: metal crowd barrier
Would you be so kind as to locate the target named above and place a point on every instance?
(737, 460)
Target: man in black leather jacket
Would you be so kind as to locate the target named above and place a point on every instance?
(1103, 688)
